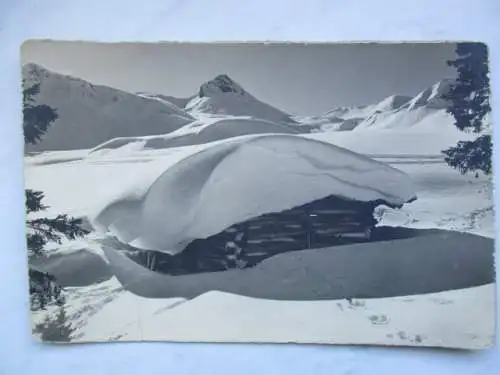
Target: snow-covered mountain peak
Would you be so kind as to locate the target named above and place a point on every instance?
(33, 71)
(392, 103)
(222, 96)
(220, 84)
(426, 110)
(37, 74)
(433, 96)
(89, 114)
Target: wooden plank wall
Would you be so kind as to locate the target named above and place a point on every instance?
(313, 225)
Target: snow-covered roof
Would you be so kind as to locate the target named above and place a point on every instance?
(237, 179)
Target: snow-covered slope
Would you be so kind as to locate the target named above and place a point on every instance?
(178, 102)
(106, 312)
(432, 97)
(385, 321)
(91, 114)
(425, 111)
(253, 175)
(201, 131)
(426, 141)
(347, 112)
(223, 96)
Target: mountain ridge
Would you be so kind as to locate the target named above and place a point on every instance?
(90, 114)
(394, 111)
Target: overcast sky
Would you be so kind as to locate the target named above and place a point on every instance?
(300, 79)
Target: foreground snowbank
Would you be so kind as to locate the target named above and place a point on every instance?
(461, 319)
(454, 319)
(103, 312)
(233, 181)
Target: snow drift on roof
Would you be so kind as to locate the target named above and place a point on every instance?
(241, 178)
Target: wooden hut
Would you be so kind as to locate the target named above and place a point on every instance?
(327, 222)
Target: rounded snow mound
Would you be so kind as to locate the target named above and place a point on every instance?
(196, 133)
(229, 182)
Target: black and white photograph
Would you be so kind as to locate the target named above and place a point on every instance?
(310, 193)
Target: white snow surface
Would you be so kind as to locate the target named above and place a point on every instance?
(105, 311)
(410, 142)
(170, 101)
(454, 319)
(439, 320)
(209, 128)
(230, 182)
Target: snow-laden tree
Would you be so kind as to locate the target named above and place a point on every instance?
(469, 99)
(55, 328)
(36, 117)
(41, 230)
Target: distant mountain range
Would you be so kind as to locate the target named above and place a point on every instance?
(396, 111)
(90, 115)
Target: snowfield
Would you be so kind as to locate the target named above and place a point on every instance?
(389, 321)
(446, 199)
(453, 319)
(157, 189)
